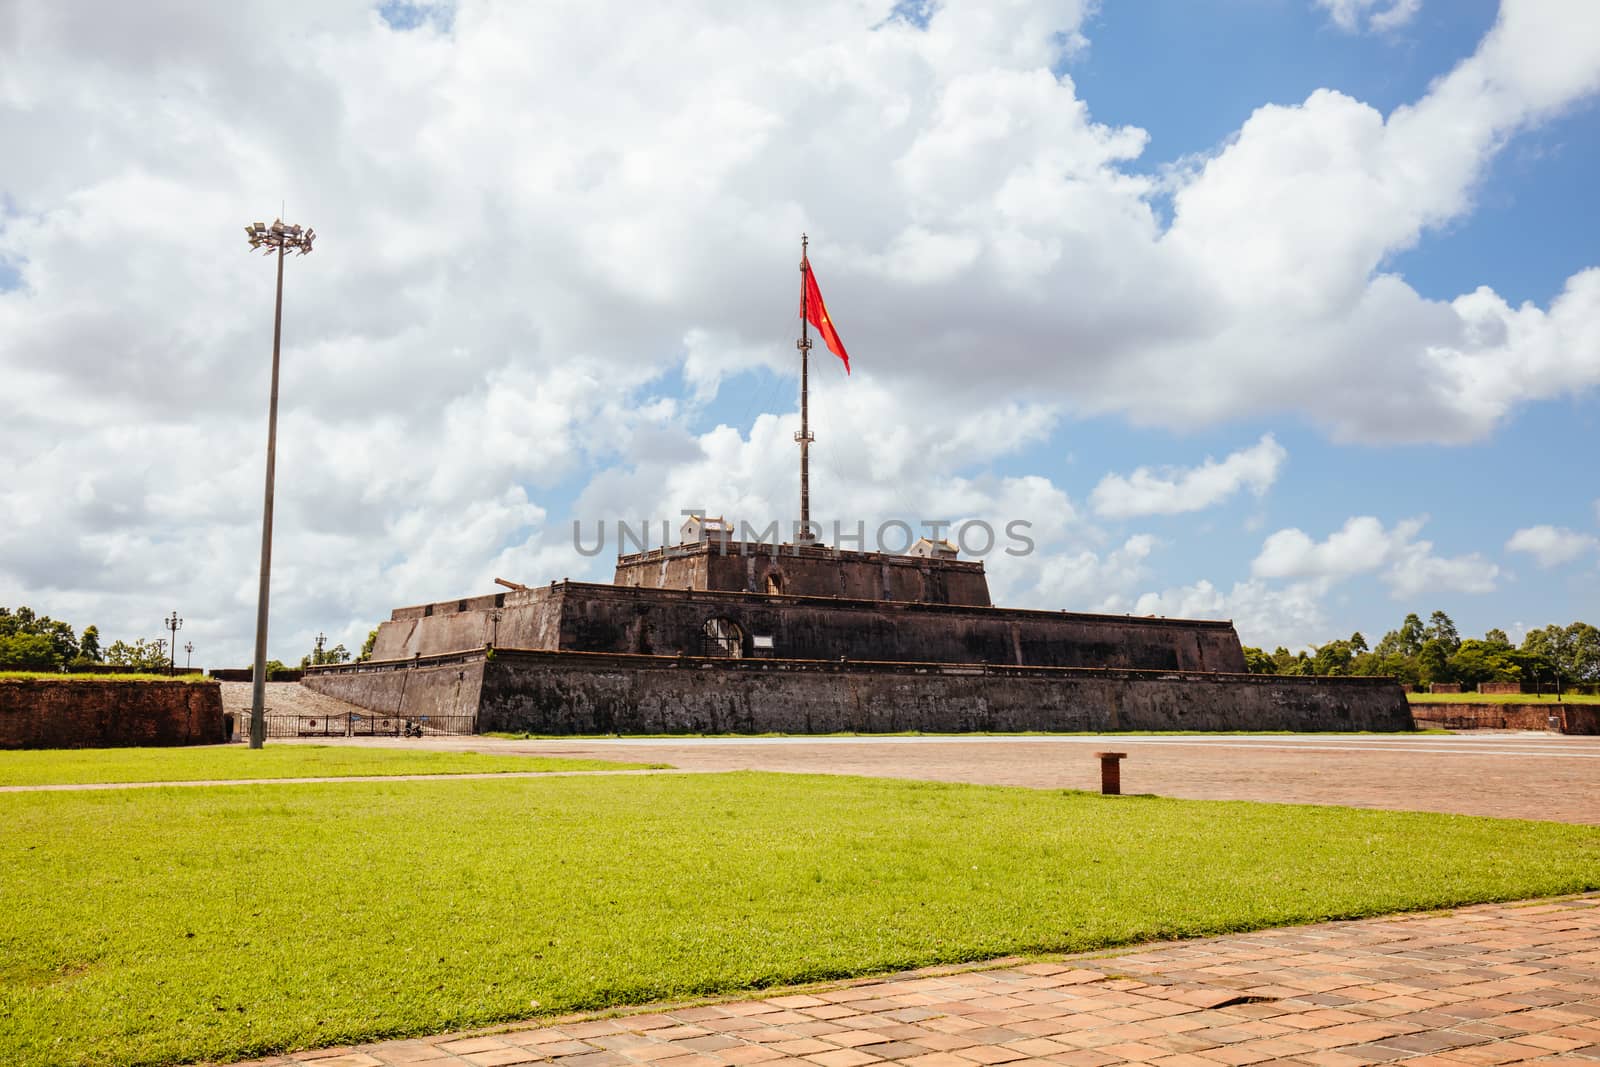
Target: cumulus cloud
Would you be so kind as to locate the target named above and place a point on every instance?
(1263, 613)
(1376, 15)
(1551, 546)
(1404, 562)
(1174, 490)
(535, 221)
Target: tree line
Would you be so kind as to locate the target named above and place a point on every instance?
(1423, 653)
(33, 642)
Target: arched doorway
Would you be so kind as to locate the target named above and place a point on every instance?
(774, 583)
(722, 637)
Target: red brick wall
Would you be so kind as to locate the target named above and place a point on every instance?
(1570, 718)
(1445, 687)
(69, 713)
(1499, 687)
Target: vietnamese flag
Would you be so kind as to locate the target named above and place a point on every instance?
(816, 313)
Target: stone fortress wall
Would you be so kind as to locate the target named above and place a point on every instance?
(809, 639)
(585, 617)
(564, 693)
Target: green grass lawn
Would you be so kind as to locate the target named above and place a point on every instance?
(1500, 698)
(177, 924)
(85, 765)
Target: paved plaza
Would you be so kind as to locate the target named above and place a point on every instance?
(1507, 775)
(1478, 987)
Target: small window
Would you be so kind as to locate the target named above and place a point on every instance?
(722, 637)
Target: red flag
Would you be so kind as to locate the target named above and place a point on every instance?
(816, 313)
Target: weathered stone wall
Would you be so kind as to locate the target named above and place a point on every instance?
(567, 693)
(446, 686)
(580, 617)
(604, 618)
(95, 714)
(1499, 687)
(1561, 718)
(529, 618)
(816, 571)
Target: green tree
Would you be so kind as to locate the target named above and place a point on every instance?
(318, 656)
(1411, 634)
(1571, 653)
(1332, 658)
(89, 644)
(1442, 628)
(1358, 644)
(1484, 661)
(145, 655)
(1497, 636)
(367, 646)
(1255, 661)
(1433, 662)
(28, 652)
(25, 621)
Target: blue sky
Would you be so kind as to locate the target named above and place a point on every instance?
(1194, 288)
(1190, 75)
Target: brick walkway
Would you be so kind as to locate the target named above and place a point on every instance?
(1478, 774)
(1481, 773)
(1479, 987)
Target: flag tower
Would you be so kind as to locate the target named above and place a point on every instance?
(813, 312)
(804, 536)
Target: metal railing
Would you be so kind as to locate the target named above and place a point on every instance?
(368, 724)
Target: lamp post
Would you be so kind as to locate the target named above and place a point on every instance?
(174, 624)
(278, 240)
(188, 653)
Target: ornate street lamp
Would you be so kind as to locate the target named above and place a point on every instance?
(278, 240)
(188, 653)
(174, 624)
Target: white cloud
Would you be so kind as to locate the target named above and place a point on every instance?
(1417, 570)
(1376, 15)
(1406, 564)
(1086, 580)
(1551, 546)
(1263, 614)
(1173, 490)
(1360, 546)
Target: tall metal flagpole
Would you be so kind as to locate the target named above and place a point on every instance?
(805, 437)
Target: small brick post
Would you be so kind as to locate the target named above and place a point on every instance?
(1111, 772)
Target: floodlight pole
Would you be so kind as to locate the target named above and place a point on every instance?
(258, 685)
(258, 691)
(281, 239)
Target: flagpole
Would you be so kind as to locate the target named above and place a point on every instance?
(804, 535)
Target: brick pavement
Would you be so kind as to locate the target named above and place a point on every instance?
(1478, 987)
(1478, 774)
